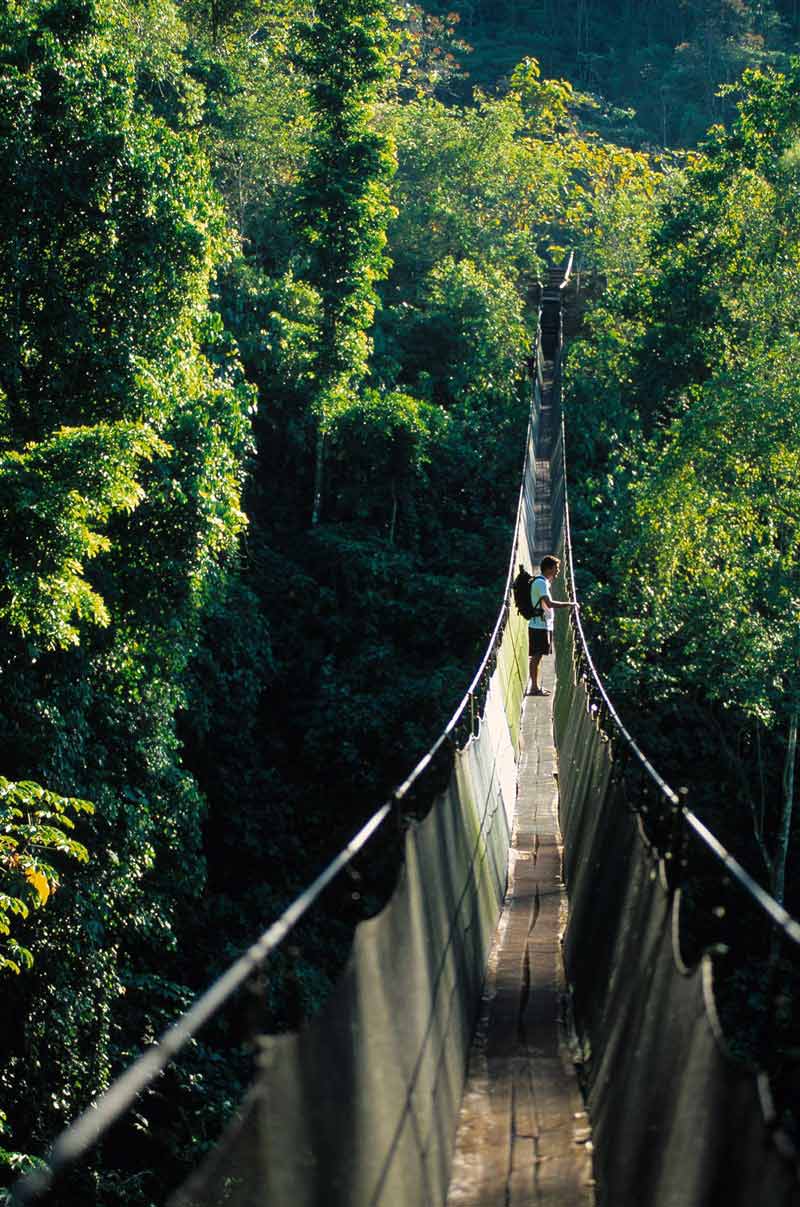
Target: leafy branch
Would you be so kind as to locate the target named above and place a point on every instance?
(33, 821)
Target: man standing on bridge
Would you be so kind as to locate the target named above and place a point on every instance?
(540, 626)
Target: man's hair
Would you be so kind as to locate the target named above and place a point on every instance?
(549, 563)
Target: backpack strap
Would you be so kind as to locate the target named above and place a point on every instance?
(538, 610)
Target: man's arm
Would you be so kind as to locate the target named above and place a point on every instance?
(547, 602)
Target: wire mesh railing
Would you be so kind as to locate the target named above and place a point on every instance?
(462, 728)
(673, 807)
(721, 914)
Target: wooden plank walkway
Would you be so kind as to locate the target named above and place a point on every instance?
(523, 1137)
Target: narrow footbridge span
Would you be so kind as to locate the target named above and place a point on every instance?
(529, 1021)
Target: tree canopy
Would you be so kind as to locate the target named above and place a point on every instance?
(694, 364)
(269, 282)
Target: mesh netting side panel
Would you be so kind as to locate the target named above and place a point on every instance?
(675, 1123)
(360, 1108)
(233, 1174)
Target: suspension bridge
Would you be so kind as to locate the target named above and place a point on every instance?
(529, 1020)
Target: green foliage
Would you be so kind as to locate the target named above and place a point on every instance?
(467, 187)
(547, 104)
(96, 381)
(124, 430)
(460, 346)
(429, 52)
(650, 72)
(54, 496)
(716, 511)
(32, 822)
(120, 205)
(695, 463)
(503, 181)
(609, 203)
(343, 193)
(380, 439)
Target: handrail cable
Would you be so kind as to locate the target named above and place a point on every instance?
(81, 1134)
(108, 1107)
(401, 791)
(777, 914)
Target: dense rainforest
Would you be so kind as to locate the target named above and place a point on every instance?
(683, 431)
(268, 288)
(688, 515)
(651, 71)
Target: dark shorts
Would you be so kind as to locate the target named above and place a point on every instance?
(540, 641)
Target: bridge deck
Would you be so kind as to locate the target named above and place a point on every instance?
(523, 1136)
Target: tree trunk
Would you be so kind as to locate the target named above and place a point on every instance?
(393, 523)
(319, 466)
(782, 849)
(760, 805)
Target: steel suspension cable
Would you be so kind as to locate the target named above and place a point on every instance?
(120, 1096)
(122, 1093)
(779, 916)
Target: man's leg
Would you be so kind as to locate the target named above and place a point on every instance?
(539, 644)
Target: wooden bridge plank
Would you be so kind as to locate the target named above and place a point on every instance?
(523, 1137)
